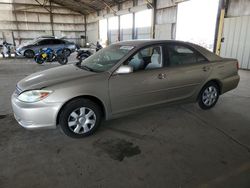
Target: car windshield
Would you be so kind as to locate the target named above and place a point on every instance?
(106, 58)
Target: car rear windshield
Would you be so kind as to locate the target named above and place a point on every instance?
(106, 58)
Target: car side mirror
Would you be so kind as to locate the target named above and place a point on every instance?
(124, 69)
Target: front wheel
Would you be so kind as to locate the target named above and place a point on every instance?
(29, 53)
(80, 118)
(62, 59)
(209, 96)
(39, 59)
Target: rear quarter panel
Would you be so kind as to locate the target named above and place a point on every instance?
(225, 72)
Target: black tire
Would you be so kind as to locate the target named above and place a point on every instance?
(209, 96)
(62, 60)
(83, 57)
(39, 59)
(29, 53)
(66, 52)
(75, 106)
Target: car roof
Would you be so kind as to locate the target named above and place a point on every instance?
(145, 42)
(141, 43)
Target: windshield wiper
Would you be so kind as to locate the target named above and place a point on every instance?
(87, 68)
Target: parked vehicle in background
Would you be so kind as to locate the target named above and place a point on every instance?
(30, 48)
(49, 55)
(122, 78)
(89, 50)
(6, 49)
(83, 54)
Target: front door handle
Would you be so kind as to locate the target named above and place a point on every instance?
(162, 76)
(205, 69)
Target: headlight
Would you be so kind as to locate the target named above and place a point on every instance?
(33, 95)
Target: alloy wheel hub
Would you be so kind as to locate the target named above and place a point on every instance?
(81, 120)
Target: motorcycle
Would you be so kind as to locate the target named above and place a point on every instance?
(49, 55)
(6, 49)
(83, 54)
(88, 51)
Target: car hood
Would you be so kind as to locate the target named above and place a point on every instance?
(52, 76)
(24, 45)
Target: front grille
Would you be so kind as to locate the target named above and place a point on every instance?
(18, 91)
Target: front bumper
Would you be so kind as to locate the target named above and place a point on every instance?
(38, 115)
(19, 52)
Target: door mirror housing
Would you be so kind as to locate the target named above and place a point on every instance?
(124, 69)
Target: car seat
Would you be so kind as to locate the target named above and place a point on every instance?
(155, 59)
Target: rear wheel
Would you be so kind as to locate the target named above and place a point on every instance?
(66, 52)
(209, 96)
(29, 53)
(80, 118)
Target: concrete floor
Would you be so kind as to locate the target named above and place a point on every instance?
(179, 146)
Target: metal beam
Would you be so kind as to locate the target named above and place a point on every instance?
(154, 4)
(17, 27)
(135, 3)
(85, 28)
(77, 6)
(37, 12)
(51, 19)
(109, 6)
(29, 4)
(43, 5)
(119, 23)
(38, 22)
(219, 27)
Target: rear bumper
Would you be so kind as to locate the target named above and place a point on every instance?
(37, 115)
(230, 83)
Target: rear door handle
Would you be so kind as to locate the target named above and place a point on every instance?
(162, 76)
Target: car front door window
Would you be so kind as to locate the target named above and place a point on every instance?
(147, 58)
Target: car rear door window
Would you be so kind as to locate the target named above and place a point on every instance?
(57, 41)
(182, 55)
(44, 42)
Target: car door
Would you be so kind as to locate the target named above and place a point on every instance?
(41, 44)
(57, 44)
(187, 71)
(51, 43)
(143, 87)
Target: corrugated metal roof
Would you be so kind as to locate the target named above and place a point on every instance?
(87, 6)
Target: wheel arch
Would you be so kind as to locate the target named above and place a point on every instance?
(29, 50)
(92, 98)
(216, 81)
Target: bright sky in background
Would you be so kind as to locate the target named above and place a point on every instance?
(196, 21)
(113, 23)
(126, 21)
(143, 18)
(103, 30)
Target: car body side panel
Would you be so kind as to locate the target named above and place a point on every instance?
(131, 92)
(136, 90)
(226, 73)
(68, 90)
(185, 81)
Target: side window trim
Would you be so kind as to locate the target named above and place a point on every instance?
(162, 48)
(183, 45)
